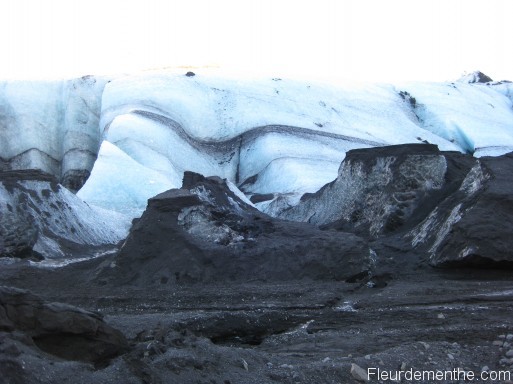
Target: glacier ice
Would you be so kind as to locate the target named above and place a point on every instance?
(272, 136)
(52, 126)
(120, 183)
(478, 118)
(285, 137)
(266, 136)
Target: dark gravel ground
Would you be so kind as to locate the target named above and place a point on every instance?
(294, 332)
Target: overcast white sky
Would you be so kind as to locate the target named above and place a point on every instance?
(377, 40)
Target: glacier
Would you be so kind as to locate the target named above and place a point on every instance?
(202, 278)
(279, 137)
(473, 116)
(133, 136)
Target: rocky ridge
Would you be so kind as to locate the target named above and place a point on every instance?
(453, 209)
(204, 232)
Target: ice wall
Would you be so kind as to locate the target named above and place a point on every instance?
(270, 136)
(51, 126)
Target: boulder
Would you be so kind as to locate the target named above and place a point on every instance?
(59, 329)
(473, 226)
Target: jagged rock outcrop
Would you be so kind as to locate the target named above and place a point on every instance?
(40, 218)
(59, 329)
(377, 190)
(205, 232)
(473, 226)
(475, 77)
(452, 208)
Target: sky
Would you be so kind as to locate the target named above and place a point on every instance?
(363, 40)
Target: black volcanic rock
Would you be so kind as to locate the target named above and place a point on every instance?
(473, 226)
(18, 235)
(236, 327)
(476, 77)
(59, 329)
(204, 232)
(380, 191)
(453, 209)
(18, 230)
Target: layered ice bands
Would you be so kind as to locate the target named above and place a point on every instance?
(276, 139)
